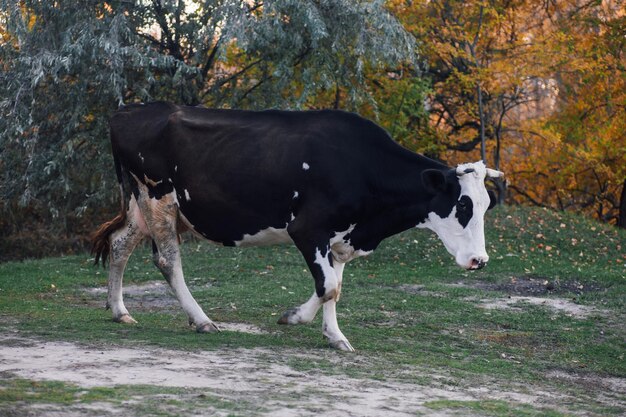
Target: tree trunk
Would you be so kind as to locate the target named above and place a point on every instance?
(621, 216)
(481, 115)
(501, 187)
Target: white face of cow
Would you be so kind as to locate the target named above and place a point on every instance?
(457, 211)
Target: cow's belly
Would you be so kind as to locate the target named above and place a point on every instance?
(231, 230)
(264, 237)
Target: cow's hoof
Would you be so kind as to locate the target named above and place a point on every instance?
(341, 345)
(209, 327)
(290, 316)
(125, 318)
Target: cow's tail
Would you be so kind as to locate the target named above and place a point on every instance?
(101, 238)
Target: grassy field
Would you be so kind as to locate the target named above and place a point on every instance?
(540, 331)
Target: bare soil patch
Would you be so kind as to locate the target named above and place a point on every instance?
(258, 375)
(538, 285)
(525, 291)
(267, 381)
(559, 305)
(152, 295)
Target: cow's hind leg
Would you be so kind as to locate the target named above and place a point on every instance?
(161, 219)
(167, 259)
(122, 243)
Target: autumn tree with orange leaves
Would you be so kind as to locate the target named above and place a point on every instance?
(575, 156)
(533, 88)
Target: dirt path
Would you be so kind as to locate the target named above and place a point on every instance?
(257, 375)
(266, 382)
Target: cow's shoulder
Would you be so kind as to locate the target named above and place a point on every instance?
(139, 139)
(135, 124)
(138, 112)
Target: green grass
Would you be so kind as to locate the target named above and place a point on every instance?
(407, 306)
(125, 399)
(490, 408)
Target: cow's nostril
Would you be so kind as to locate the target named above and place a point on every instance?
(478, 263)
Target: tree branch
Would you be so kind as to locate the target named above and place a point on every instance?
(527, 196)
(465, 146)
(480, 24)
(238, 73)
(211, 58)
(172, 46)
(251, 89)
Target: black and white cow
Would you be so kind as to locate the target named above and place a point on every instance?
(330, 182)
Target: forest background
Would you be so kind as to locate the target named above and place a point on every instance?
(536, 88)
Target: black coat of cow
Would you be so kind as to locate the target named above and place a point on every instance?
(332, 182)
(242, 169)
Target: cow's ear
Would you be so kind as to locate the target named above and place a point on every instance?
(492, 200)
(434, 181)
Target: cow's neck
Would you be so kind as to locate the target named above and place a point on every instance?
(402, 185)
(403, 201)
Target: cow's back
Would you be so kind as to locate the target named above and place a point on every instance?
(237, 172)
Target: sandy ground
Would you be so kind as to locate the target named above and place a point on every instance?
(233, 375)
(557, 305)
(261, 378)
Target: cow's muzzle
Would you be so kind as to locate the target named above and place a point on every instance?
(477, 263)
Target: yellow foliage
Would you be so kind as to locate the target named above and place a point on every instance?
(558, 66)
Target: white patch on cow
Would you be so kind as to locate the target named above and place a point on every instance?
(141, 157)
(307, 311)
(467, 245)
(295, 195)
(330, 277)
(187, 197)
(176, 168)
(170, 181)
(342, 249)
(134, 214)
(293, 217)
(153, 201)
(305, 166)
(269, 236)
(340, 235)
(151, 182)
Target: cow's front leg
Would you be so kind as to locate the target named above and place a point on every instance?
(306, 312)
(327, 288)
(302, 314)
(330, 327)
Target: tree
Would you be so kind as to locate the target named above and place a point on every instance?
(536, 88)
(67, 66)
(578, 150)
(476, 54)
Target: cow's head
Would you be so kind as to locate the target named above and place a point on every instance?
(457, 209)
